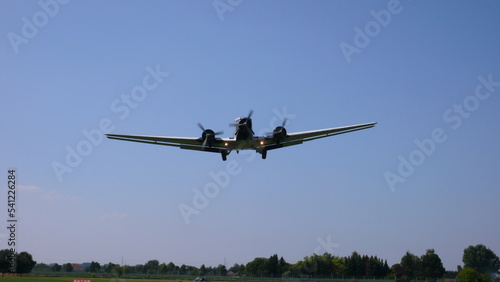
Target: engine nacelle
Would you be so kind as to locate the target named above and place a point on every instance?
(279, 134)
(208, 137)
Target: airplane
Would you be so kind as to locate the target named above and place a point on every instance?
(243, 139)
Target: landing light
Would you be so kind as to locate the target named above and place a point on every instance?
(261, 143)
(225, 144)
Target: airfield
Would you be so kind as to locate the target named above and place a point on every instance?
(228, 90)
(34, 278)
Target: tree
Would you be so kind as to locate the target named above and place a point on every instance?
(339, 267)
(273, 266)
(241, 270)
(117, 270)
(138, 268)
(325, 265)
(67, 267)
(398, 270)
(410, 264)
(210, 270)
(238, 269)
(468, 274)
(108, 268)
(256, 267)
(56, 267)
(354, 265)
(221, 270)
(126, 269)
(309, 265)
(163, 268)
(193, 271)
(24, 262)
(94, 267)
(4, 261)
(182, 270)
(152, 266)
(431, 265)
(283, 265)
(481, 259)
(203, 270)
(170, 267)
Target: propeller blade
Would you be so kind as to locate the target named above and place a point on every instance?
(219, 133)
(201, 126)
(250, 114)
(284, 122)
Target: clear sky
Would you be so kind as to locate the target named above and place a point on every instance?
(427, 176)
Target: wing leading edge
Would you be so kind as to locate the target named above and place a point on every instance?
(304, 136)
(189, 143)
(322, 133)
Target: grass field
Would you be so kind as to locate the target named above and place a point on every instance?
(71, 279)
(68, 279)
(41, 278)
(64, 279)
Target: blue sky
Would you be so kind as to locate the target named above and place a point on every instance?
(427, 72)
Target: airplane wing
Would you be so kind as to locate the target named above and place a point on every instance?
(226, 145)
(304, 136)
(189, 143)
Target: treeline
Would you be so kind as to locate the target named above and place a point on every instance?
(318, 266)
(479, 265)
(152, 267)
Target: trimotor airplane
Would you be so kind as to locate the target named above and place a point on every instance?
(243, 139)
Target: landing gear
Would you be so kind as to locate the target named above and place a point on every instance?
(264, 154)
(224, 155)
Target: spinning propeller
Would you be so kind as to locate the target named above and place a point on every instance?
(244, 120)
(279, 133)
(208, 135)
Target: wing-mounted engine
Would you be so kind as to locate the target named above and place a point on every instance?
(279, 133)
(208, 136)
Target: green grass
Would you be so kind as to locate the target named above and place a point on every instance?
(35, 278)
(70, 279)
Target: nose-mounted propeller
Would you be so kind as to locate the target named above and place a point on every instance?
(243, 126)
(208, 135)
(244, 120)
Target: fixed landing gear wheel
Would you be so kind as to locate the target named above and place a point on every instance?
(224, 156)
(264, 154)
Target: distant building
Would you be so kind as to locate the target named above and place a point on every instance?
(78, 267)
